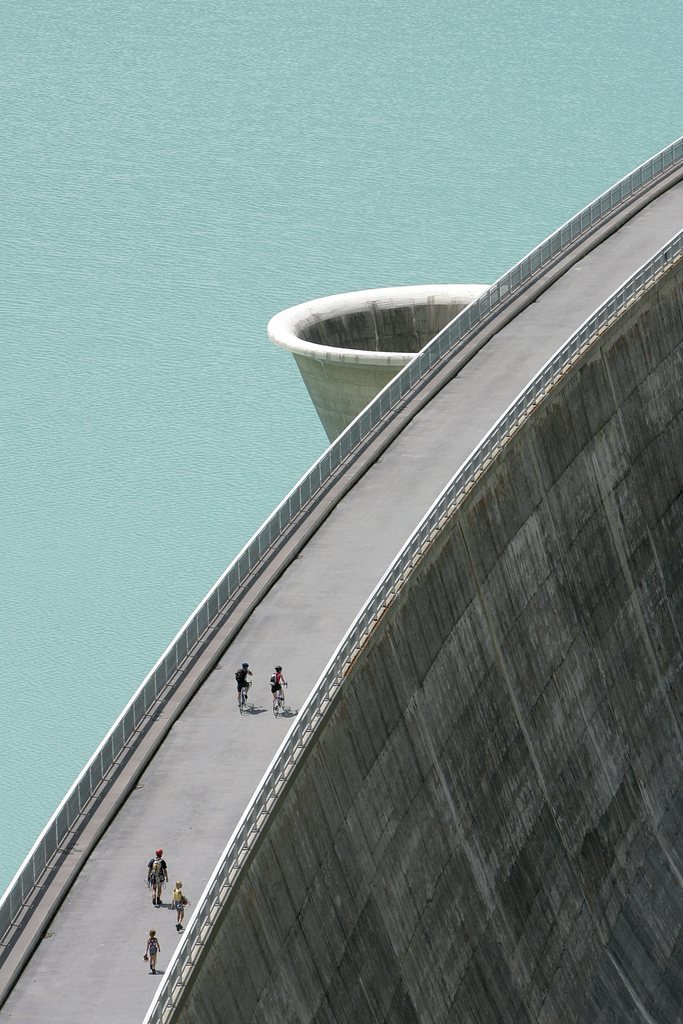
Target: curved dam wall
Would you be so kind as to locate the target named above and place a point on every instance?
(489, 826)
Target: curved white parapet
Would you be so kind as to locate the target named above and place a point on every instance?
(349, 346)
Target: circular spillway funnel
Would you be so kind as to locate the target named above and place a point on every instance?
(349, 346)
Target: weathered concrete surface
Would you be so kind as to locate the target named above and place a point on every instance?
(379, 327)
(490, 826)
(339, 391)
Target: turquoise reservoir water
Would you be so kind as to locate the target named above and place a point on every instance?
(174, 174)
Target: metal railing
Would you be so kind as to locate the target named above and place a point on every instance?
(199, 627)
(287, 759)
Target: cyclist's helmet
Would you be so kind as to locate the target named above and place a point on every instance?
(245, 664)
(278, 668)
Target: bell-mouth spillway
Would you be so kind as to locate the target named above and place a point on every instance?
(349, 346)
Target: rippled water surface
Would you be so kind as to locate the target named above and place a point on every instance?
(172, 175)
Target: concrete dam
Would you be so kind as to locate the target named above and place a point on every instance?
(471, 809)
(490, 827)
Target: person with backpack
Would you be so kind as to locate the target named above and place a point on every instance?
(242, 675)
(157, 875)
(153, 947)
(277, 681)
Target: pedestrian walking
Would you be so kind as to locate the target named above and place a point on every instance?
(157, 875)
(180, 901)
(153, 947)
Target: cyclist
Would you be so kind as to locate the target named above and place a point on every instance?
(243, 675)
(277, 681)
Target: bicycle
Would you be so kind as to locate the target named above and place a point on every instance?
(242, 699)
(279, 702)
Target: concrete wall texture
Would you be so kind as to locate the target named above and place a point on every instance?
(339, 391)
(489, 826)
(377, 328)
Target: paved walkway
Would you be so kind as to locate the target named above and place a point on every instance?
(89, 967)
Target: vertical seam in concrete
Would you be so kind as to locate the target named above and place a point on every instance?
(629, 448)
(414, 322)
(601, 931)
(647, 1017)
(655, 555)
(566, 582)
(618, 542)
(617, 539)
(580, 887)
(373, 308)
(482, 879)
(527, 739)
(504, 671)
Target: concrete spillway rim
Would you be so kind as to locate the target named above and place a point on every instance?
(284, 327)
